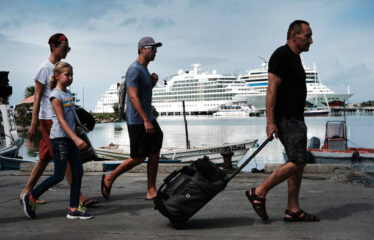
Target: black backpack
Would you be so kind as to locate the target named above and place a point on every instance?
(85, 118)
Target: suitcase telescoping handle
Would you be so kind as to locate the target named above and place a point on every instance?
(250, 158)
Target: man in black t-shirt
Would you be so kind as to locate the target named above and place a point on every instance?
(285, 99)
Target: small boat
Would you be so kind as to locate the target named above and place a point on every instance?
(10, 143)
(237, 109)
(311, 109)
(183, 155)
(335, 149)
(316, 111)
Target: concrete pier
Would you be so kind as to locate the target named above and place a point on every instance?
(346, 211)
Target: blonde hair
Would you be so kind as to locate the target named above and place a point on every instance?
(58, 68)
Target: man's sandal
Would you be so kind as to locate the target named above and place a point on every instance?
(258, 206)
(300, 216)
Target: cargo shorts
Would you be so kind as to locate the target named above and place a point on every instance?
(293, 136)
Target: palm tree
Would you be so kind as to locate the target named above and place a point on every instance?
(29, 91)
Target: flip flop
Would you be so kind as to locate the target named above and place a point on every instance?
(89, 202)
(149, 199)
(39, 201)
(105, 188)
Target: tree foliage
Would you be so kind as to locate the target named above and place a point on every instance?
(369, 103)
(29, 91)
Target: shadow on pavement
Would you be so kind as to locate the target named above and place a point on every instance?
(344, 211)
(213, 223)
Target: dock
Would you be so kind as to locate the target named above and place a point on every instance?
(352, 110)
(346, 211)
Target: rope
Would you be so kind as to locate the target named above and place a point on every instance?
(353, 143)
(16, 159)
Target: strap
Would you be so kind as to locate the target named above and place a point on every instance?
(256, 197)
(77, 119)
(250, 158)
(171, 176)
(294, 214)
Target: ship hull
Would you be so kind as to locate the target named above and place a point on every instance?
(318, 99)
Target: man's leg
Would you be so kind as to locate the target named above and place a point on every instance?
(125, 166)
(152, 168)
(45, 155)
(294, 183)
(293, 211)
(36, 172)
(257, 195)
(282, 173)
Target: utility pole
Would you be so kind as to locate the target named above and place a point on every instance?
(185, 126)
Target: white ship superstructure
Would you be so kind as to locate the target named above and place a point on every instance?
(317, 93)
(106, 102)
(203, 92)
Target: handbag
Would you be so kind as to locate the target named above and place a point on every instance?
(89, 153)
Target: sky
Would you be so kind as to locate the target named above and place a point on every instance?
(228, 36)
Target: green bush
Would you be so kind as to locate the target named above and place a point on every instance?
(369, 103)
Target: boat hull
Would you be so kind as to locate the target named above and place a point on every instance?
(186, 155)
(363, 161)
(9, 158)
(319, 99)
(316, 112)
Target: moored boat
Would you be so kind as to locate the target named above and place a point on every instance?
(184, 155)
(335, 149)
(237, 109)
(316, 111)
(10, 143)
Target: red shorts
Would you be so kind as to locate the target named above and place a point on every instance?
(45, 150)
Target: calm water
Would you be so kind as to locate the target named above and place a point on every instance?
(209, 130)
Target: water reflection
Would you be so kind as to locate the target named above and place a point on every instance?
(208, 130)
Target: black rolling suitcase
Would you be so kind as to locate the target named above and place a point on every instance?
(186, 191)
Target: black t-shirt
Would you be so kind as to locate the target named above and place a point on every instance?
(291, 93)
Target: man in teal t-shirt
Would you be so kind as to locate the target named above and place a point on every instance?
(144, 132)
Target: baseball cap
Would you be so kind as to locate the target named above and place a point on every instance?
(148, 41)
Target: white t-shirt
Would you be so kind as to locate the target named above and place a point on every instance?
(42, 76)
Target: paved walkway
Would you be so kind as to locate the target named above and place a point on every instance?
(346, 211)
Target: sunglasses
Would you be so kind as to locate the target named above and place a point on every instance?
(153, 48)
(65, 48)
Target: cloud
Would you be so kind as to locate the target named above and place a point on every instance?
(155, 23)
(129, 21)
(223, 35)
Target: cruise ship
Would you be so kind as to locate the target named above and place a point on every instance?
(203, 92)
(107, 100)
(317, 93)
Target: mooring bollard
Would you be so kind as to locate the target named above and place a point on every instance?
(227, 163)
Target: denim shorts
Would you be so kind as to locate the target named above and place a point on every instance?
(143, 144)
(293, 135)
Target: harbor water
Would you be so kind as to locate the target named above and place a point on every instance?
(210, 130)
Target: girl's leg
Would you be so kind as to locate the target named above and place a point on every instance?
(77, 174)
(75, 212)
(60, 155)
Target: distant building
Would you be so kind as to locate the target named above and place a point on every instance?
(27, 100)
